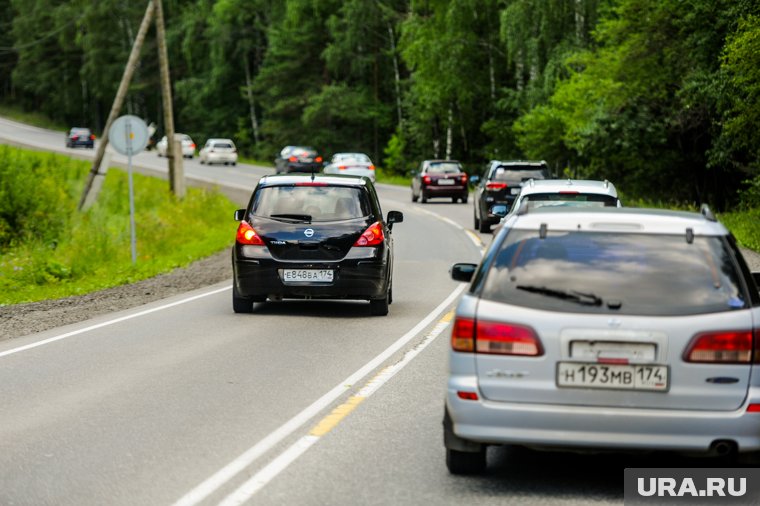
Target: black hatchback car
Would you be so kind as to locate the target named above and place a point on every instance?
(298, 159)
(501, 184)
(80, 138)
(313, 237)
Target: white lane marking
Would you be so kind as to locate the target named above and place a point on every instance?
(229, 471)
(286, 458)
(111, 322)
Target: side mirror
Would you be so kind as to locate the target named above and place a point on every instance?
(240, 214)
(498, 210)
(463, 272)
(394, 217)
(474, 179)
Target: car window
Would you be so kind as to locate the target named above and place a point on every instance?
(223, 145)
(322, 203)
(80, 131)
(536, 200)
(633, 274)
(443, 168)
(516, 173)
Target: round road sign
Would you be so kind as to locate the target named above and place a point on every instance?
(128, 135)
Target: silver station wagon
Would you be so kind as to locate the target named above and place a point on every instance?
(613, 328)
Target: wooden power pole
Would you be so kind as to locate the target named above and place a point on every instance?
(173, 148)
(121, 94)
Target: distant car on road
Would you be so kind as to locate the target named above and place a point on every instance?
(354, 164)
(315, 236)
(605, 329)
(500, 184)
(440, 179)
(79, 137)
(298, 159)
(559, 193)
(188, 146)
(218, 151)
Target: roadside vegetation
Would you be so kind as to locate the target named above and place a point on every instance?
(50, 250)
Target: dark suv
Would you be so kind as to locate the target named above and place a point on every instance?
(298, 159)
(501, 184)
(313, 237)
(80, 137)
(440, 178)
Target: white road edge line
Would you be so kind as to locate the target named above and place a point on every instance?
(225, 474)
(110, 322)
(289, 456)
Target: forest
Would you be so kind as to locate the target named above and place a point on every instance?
(662, 97)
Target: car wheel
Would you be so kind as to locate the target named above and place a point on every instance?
(415, 198)
(475, 221)
(241, 304)
(379, 307)
(454, 200)
(464, 199)
(484, 227)
(466, 462)
(234, 163)
(423, 197)
(202, 161)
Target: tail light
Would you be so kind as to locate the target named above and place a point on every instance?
(74, 137)
(495, 338)
(247, 235)
(371, 167)
(427, 179)
(342, 167)
(318, 159)
(92, 137)
(721, 347)
(293, 159)
(463, 177)
(495, 186)
(192, 145)
(372, 236)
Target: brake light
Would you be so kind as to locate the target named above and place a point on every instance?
(467, 396)
(311, 183)
(506, 339)
(318, 159)
(342, 167)
(567, 192)
(464, 178)
(371, 167)
(722, 347)
(463, 335)
(74, 137)
(495, 186)
(293, 159)
(247, 235)
(92, 137)
(192, 145)
(427, 179)
(372, 236)
(494, 338)
(753, 408)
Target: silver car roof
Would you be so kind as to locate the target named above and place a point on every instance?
(620, 220)
(560, 185)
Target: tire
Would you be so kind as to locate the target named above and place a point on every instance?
(423, 197)
(475, 221)
(234, 163)
(484, 227)
(466, 462)
(241, 304)
(454, 200)
(379, 307)
(202, 162)
(415, 198)
(464, 199)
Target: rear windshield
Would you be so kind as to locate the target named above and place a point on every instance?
(80, 131)
(569, 200)
(319, 203)
(614, 273)
(359, 157)
(444, 168)
(222, 145)
(517, 173)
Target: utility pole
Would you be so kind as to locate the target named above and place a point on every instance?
(121, 94)
(173, 148)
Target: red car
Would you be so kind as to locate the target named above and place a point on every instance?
(440, 178)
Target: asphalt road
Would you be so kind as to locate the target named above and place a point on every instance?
(300, 403)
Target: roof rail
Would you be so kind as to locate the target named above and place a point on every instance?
(707, 212)
(523, 209)
(531, 182)
(606, 183)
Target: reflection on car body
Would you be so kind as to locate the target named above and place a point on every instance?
(314, 237)
(619, 322)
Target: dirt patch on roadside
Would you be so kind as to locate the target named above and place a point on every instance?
(22, 319)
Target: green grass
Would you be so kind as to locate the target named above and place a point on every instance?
(745, 225)
(383, 177)
(50, 250)
(16, 113)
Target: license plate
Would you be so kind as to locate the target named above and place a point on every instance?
(613, 376)
(515, 191)
(446, 181)
(291, 276)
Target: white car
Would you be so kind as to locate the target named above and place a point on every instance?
(354, 164)
(559, 193)
(219, 151)
(188, 146)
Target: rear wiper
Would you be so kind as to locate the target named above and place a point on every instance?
(305, 218)
(586, 299)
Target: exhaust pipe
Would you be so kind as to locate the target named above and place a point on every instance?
(723, 447)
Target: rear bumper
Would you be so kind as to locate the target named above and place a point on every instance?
(221, 157)
(303, 167)
(360, 279)
(586, 427)
(445, 191)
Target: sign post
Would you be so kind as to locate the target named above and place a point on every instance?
(129, 136)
